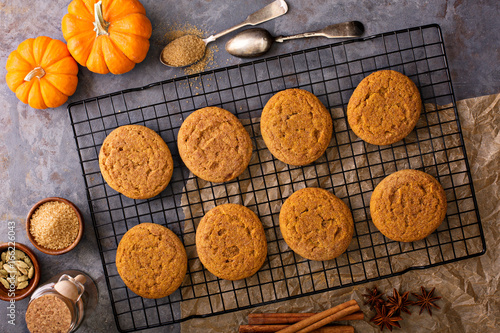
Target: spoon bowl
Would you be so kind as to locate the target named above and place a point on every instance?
(249, 43)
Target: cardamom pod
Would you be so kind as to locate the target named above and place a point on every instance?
(22, 278)
(3, 273)
(12, 280)
(28, 261)
(5, 283)
(31, 271)
(22, 264)
(4, 256)
(22, 267)
(20, 255)
(23, 285)
(9, 269)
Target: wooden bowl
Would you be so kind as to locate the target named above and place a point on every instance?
(50, 251)
(33, 282)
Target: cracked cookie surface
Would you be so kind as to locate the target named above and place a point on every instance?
(135, 161)
(384, 108)
(408, 205)
(151, 260)
(316, 224)
(296, 126)
(214, 145)
(231, 242)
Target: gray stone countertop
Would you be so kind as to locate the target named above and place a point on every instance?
(38, 157)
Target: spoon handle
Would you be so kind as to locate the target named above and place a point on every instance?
(281, 39)
(340, 30)
(271, 11)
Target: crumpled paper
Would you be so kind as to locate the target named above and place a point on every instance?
(470, 297)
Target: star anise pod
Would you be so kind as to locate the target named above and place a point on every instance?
(426, 300)
(386, 318)
(374, 298)
(399, 303)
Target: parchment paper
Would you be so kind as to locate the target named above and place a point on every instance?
(469, 287)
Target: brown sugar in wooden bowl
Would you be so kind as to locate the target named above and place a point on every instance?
(45, 249)
(33, 282)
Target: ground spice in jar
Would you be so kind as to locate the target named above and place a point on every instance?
(183, 51)
(54, 225)
(48, 313)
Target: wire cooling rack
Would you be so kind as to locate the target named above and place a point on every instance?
(350, 168)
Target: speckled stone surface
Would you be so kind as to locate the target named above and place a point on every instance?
(38, 157)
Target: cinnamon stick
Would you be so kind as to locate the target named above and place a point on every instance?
(276, 328)
(323, 318)
(291, 318)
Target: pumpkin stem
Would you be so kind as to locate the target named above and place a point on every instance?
(37, 72)
(100, 26)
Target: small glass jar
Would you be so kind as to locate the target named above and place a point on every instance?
(62, 302)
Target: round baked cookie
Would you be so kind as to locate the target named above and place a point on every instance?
(136, 162)
(384, 108)
(151, 260)
(296, 126)
(214, 145)
(408, 205)
(316, 224)
(231, 242)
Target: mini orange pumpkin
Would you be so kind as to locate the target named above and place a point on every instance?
(108, 36)
(42, 73)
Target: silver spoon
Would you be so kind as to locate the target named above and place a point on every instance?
(271, 11)
(256, 41)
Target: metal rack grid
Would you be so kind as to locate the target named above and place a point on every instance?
(350, 169)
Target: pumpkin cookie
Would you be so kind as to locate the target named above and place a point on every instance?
(384, 108)
(151, 260)
(231, 242)
(296, 127)
(214, 145)
(408, 205)
(316, 224)
(136, 162)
